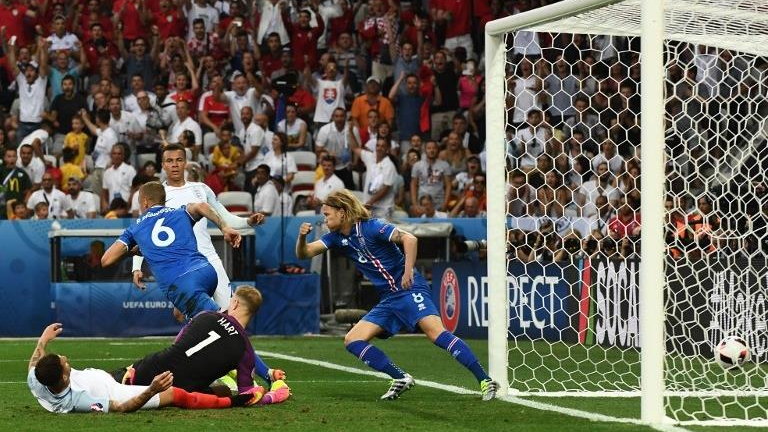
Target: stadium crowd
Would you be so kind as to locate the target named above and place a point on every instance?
(283, 100)
(279, 103)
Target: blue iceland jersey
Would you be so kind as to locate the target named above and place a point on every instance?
(167, 242)
(381, 261)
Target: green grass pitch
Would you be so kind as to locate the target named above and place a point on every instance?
(323, 399)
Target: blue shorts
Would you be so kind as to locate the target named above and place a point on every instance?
(191, 293)
(403, 310)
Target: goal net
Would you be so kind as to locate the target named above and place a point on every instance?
(572, 179)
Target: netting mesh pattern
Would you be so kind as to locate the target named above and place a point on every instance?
(574, 216)
(741, 25)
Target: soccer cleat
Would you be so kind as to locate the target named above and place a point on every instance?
(398, 386)
(488, 389)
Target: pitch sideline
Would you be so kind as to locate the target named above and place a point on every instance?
(460, 390)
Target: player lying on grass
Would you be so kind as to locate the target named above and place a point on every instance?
(61, 389)
(207, 348)
(166, 239)
(405, 301)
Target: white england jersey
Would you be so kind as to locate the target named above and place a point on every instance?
(194, 192)
(90, 390)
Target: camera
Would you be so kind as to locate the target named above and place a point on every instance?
(463, 246)
(286, 84)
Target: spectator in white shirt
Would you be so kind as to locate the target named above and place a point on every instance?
(106, 138)
(610, 156)
(326, 184)
(117, 178)
(84, 204)
(185, 122)
(428, 207)
(61, 39)
(338, 138)
(284, 201)
(251, 137)
(281, 164)
(57, 201)
(32, 83)
(32, 164)
(126, 126)
(266, 195)
(131, 101)
(380, 177)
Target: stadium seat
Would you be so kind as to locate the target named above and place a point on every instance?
(306, 213)
(305, 160)
(143, 158)
(238, 202)
(303, 181)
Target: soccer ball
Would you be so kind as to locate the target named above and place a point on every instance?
(731, 352)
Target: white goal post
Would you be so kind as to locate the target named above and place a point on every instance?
(696, 22)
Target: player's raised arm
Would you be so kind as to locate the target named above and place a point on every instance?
(410, 243)
(50, 333)
(304, 250)
(200, 210)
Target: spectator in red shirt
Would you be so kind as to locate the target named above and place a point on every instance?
(169, 20)
(626, 223)
(97, 46)
(18, 21)
(456, 15)
(130, 14)
(93, 13)
(272, 60)
(379, 31)
(214, 110)
(304, 39)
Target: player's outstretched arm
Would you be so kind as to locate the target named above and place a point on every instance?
(50, 333)
(234, 221)
(114, 253)
(160, 383)
(200, 210)
(410, 244)
(304, 250)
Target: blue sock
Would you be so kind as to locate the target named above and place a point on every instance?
(375, 358)
(261, 369)
(462, 353)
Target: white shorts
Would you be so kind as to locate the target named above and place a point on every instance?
(104, 385)
(223, 291)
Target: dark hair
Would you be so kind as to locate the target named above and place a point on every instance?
(68, 154)
(118, 203)
(175, 147)
(329, 158)
(264, 167)
(49, 370)
(198, 21)
(68, 78)
(283, 140)
(103, 115)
